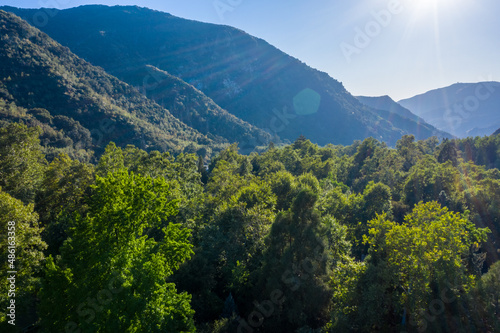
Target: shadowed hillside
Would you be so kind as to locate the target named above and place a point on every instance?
(79, 105)
(242, 74)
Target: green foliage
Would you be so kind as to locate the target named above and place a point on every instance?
(63, 193)
(355, 210)
(362, 238)
(80, 107)
(111, 161)
(480, 150)
(59, 134)
(428, 179)
(107, 258)
(408, 149)
(481, 190)
(21, 161)
(263, 223)
(279, 233)
(428, 251)
(364, 156)
(448, 152)
(296, 264)
(21, 240)
(239, 209)
(484, 301)
(345, 279)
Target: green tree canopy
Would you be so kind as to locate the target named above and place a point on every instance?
(111, 277)
(426, 254)
(21, 161)
(19, 228)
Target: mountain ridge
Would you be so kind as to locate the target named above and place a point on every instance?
(463, 109)
(37, 73)
(402, 117)
(243, 74)
(193, 107)
(385, 102)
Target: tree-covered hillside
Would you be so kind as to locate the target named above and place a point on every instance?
(243, 74)
(300, 238)
(402, 118)
(193, 108)
(125, 207)
(79, 107)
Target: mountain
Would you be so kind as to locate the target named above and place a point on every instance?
(242, 74)
(497, 132)
(402, 117)
(79, 106)
(462, 109)
(192, 107)
(388, 104)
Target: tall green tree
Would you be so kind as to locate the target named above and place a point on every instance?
(21, 161)
(21, 250)
(110, 276)
(484, 302)
(425, 257)
(64, 191)
(239, 210)
(409, 150)
(296, 266)
(429, 180)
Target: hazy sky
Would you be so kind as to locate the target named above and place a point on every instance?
(398, 48)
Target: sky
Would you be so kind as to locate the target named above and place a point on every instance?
(399, 48)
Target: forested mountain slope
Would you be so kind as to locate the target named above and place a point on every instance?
(388, 104)
(80, 105)
(292, 238)
(194, 108)
(402, 117)
(242, 74)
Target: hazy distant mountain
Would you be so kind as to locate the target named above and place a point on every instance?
(78, 105)
(402, 117)
(497, 132)
(388, 104)
(242, 74)
(462, 109)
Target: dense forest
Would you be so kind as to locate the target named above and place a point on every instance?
(300, 238)
(124, 207)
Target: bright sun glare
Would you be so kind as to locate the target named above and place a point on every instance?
(426, 5)
(423, 8)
